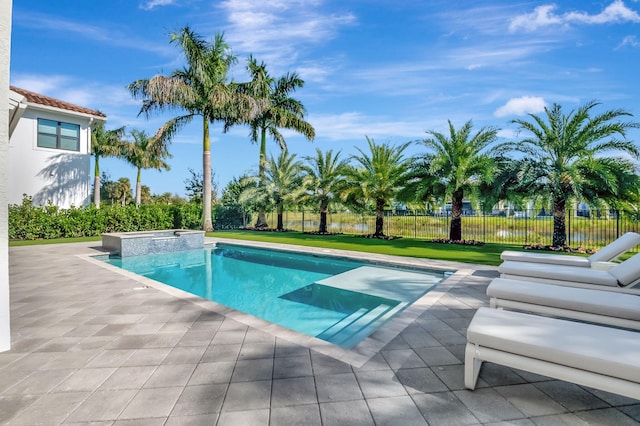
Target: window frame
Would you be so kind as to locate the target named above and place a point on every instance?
(60, 138)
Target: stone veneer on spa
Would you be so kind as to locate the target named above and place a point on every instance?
(125, 244)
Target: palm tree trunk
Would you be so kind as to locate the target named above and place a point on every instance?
(280, 214)
(559, 226)
(322, 228)
(262, 214)
(96, 183)
(138, 189)
(455, 232)
(379, 218)
(207, 225)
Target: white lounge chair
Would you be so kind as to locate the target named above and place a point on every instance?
(606, 254)
(598, 306)
(586, 354)
(621, 277)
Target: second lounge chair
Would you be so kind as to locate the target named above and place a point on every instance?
(621, 277)
(606, 254)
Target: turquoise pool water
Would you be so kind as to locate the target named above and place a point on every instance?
(298, 291)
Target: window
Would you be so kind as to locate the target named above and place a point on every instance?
(57, 135)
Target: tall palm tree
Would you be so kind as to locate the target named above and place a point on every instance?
(576, 156)
(455, 165)
(282, 112)
(377, 177)
(282, 186)
(323, 181)
(145, 153)
(201, 89)
(104, 143)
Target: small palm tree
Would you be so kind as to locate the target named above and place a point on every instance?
(455, 165)
(576, 156)
(282, 187)
(145, 153)
(282, 112)
(323, 181)
(377, 177)
(201, 89)
(104, 143)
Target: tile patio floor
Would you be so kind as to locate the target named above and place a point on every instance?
(93, 346)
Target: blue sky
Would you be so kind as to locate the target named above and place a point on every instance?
(387, 69)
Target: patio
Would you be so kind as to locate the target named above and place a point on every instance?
(92, 345)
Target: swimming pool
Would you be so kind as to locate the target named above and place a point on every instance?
(337, 300)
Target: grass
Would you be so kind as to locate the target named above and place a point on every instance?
(19, 243)
(488, 254)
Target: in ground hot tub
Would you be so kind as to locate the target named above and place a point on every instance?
(125, 244)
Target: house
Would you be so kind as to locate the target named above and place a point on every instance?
(49, 149)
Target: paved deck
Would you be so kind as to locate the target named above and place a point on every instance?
(92, 345)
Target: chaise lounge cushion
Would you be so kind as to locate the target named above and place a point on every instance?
(601, 350)
(597, 302)
(628, 271)
(560, 273)
(550, 259)
(622, 244)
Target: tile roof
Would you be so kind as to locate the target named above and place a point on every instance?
(36, 98)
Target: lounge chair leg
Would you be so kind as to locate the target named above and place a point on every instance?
(492, 303)
(471, 366)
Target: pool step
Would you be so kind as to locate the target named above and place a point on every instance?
(354, 326)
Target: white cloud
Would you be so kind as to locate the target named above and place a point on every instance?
(148, 5)
(278, 30)
(541, 16)
(521, 106)
(69, 28)
(544, 16)
(630, 40)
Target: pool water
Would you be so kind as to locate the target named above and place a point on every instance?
(286, 288)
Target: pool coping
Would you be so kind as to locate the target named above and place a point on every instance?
(363, 351)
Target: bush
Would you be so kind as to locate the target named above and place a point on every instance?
(229, 217)
(30, 222)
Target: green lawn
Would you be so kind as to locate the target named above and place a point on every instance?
(52, 241)
(489, 254)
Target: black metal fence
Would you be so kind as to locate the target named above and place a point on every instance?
(590, 229)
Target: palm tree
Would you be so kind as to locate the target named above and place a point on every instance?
(569, 157)
(323, 181)
(282, 112)
(104, 143)
(200, 89)
(455, 165)
(378, 177)
(283, 184)
(145, 153)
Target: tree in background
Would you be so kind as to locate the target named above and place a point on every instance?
(283, 185)
(282, 112)
(104, 143)
(577, 156)
(377, 177)
(454, 166)
(201, 89)
(194, 185)
(145, 153)
(323, 181)
(118, 192)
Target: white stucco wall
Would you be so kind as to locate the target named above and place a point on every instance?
(62, 177)
(5, 44)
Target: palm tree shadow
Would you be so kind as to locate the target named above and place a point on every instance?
(67, 176)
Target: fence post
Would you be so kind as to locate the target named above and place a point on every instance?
(484, 223)
(568, 227)
(303, 221)
(617, 223)
(415, 224)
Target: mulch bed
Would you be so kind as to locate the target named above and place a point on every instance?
(460, 242)
(264, 229)
(565, 249)
(321, 233)
(379, 237)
